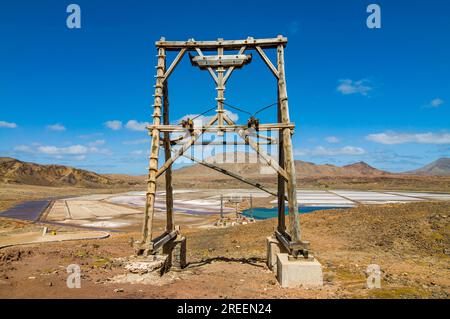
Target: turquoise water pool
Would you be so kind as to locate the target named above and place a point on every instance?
(266, 213)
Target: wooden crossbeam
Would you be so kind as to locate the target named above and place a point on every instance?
(231, 143)
(270, 140)
(215, 61)
(267, 61)
(178, 142)
(223, 128)
(226, 44)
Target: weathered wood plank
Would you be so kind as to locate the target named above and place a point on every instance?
(227, 128)
(289, 165)
(170, 225)
(281, 181)
(154, 154)
(226, 44)
(216, 61)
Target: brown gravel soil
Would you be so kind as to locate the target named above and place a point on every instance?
(410, 242)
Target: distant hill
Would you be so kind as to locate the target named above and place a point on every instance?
(18, 172)
(303, 169)
(362, 168)
(441, 167)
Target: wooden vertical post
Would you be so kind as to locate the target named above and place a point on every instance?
(294, 223)
(154, 153)
(221, 206)
(170, 226)
(220, 89)
(281, 182)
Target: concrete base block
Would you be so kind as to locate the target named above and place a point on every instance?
(299, 272)
(143, 265)
(274, 247)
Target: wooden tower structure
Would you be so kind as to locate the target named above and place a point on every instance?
(220, 64)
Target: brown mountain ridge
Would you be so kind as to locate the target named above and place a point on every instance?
(13, 171)
(303, 169)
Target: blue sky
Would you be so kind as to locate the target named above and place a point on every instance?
(377, 95)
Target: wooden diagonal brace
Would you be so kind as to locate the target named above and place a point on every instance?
(258, 150)
(185, 147)
(267, 61)
(231, 174)
(231, 69)
(174, 64)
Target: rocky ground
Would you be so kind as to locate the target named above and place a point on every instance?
(410, 242)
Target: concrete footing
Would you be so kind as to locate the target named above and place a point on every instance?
(293, 273)
(274, 247)
(144, 265)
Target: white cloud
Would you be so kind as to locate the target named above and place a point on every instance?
(347, 86)
(56, 127)
(435, 103)
(137, 152)
(332, 139)
(139, 141)
(96, 143)
(324, 151)
(114, 125)
(202, 120)
(233, 116)
(299, 152)
(7, 124)
(23, 149)
(346, 150)
(70, 150)
(80, 157)
(134, 125)
(89, 136)
(391, 138)
(77, 152)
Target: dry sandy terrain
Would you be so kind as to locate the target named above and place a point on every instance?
(410, 242)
